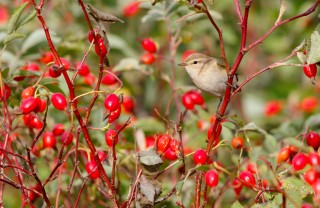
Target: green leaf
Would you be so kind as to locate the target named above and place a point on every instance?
(302, 57)
(12, 37)
(236, 204)
(5, 73)
(203, 168)
(312, 121)
(28, 19)
(270, 143)
(253, 127)
(314, 52)
(15, 17)
(47, 81)
(296, 189)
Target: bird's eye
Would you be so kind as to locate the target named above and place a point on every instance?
(195, 62)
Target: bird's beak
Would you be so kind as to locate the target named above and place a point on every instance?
(182, 64)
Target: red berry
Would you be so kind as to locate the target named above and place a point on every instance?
(128, 104)
(170, 155)
(212, 178)
(49, 140)
(103, 50)
(187, 101)
(149, 45)
(163, 143)
(174, 145)
(299, 161)
(196, 97)
(66, 138)
(35, 122)
(6, 92)
(111, 102)
(199, 1)
(28, 92)
(89, 79)
(54, 71)
(111, 137)
(43, 105)
(272, 108)
(28, 105)
(83, 69)
(109, 79)
(310, 176)
(309, 104)
(313, 139)
(283, 155)
(65, 63)
(251, 168)
(58, 129)
(247, 178)
(314, 158)
(265, 183)
(90, 35)
(310, 70)
(33, 67)
(131, 9)
(147, 58)
(150, 141)
(316, 187)
(102, 155)
(237, 186)
(59, 101)
(200, 157)
(39, 104)
(306, 205)
(47, 57)
(237, 142)
(114, 115)
(92, 169)
(26, 120)
(4, 15)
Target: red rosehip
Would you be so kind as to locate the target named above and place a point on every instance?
(306, 205)
(310, 70)
(131, 9)
(247, 178)
(299, 161)
(5, 92)
(309, 104)
(66, 138)
(237, 186)
(103, 49)
(28, 92)
(272, 108)
(33, 67)
(237, 142)
(42, 106)
(265, 183)
(196, 97)
(90, 35)
(111, 137)
(59, 101)
(147, 58)
(251, 168)
(199, 1)
(39, 104)
(200, 157)
(163, 143)
(313, 139)
(54, 71)
(310, 176)
(314, 158)
(149, 45)
(35, 122)
(89, 79)
(283, 155)
(4, 15)
(170, 155)
(49, 140)
(128, 104)
(26, 120)
(92, 170)
(212, 178)
(174, 145)
(83, 70)
(28, 105)
(316, 187)
(114, 115)
(58, 129)
(150, 141)
(102, 155)
(65, 63)
(111, 102)
(47, 57)
(109, 79)
(187, 101)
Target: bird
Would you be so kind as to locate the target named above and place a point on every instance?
(207, 73)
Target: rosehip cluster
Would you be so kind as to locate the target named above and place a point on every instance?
(168, 146)
(150, 47)
(192, 98)
(99, 47)
(112, 104)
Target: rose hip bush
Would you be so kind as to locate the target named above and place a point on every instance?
(95, 111)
